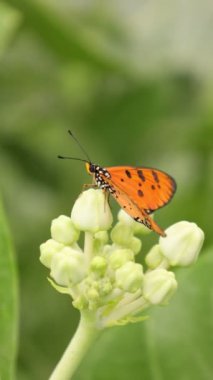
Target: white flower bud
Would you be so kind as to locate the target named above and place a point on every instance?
(124, 218)
(119, 257)
(91, 212)
(182, 244)
(129, 277)
(63, 230)
(48, 250)
(141, 229)
(158, 286)
(67, 267)
(154, 258)
(121, 234)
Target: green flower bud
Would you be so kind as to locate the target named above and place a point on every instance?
(129, 277)
(135, 244)
(48, 250)
(63, 230)
(182, 244)
(119, 257)
(80, 303)
(105, 286)
(98, 265)
(121, 234)
(154, 258)
(101, 238)
(91, 212)
(67, 267)
(93, 294)
(158, 286)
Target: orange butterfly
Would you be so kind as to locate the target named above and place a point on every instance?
(138, 190)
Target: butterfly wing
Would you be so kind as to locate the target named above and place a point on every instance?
(140, 191)
(150, 189)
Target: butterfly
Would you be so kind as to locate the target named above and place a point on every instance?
(138, 190)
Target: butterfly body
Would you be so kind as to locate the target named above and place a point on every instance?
(138, 190)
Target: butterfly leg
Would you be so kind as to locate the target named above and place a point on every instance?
(89, 186)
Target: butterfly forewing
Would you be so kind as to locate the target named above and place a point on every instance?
(148, 188)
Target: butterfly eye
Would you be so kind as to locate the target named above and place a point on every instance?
(92, 168)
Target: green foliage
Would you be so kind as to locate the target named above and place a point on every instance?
(135, 84)
(8, 303)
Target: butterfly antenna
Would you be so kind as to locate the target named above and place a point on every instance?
(71, 158)
(80, 146)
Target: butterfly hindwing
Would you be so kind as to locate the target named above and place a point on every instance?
(139, 215)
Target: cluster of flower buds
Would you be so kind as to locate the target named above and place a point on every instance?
(102, 275)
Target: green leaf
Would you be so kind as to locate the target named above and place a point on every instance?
(8, 303)
(174, 343)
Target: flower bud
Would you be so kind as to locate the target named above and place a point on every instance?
(121, 234)
(105, 286)
(98, 265)
(140, 229)
(93, 295)
(154, 258)
(102, 236)
(119, 257)
(67, 267)
(48, 250)
(182, 244)
(100, 239)
(129, 277)
(124, 218)
(63, 230)
(80, 302)
(158, 286)
(91, 212)
(135, 244)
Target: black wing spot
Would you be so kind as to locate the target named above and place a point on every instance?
(122, 180)
(153, 187)
(140, 193)
(139, 184)
(141, 175)
(159, 186)
(155, 176)
(128, 173)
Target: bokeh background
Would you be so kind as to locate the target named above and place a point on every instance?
(134, 81)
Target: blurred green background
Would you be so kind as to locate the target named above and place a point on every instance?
(134, 81)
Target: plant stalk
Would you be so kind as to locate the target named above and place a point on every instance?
(84, 336)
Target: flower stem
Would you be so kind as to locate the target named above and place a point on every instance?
(88, 247)
(84, 336)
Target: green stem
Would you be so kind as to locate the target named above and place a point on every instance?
(84, 336)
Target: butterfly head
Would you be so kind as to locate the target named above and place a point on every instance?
(91, 168)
